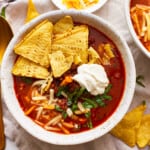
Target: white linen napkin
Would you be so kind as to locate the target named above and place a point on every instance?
(113, 12)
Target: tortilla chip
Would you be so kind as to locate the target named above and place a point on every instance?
(143, 134)
(108, 50)
(127, 135)
(93, 56)
(59, 63)
(72, 43)
(63, 25)
(26, 68)
(32, 12)
(36, 45)
(106, 53)
(127, 128)
(77, 60)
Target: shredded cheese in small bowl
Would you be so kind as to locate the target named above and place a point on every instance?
(79, 4)
(137, 15)
(140, 15)
(84, 5)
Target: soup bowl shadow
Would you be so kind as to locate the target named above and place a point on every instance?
(132, 31)
(77, 138)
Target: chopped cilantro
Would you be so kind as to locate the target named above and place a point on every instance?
(88, 114)
(57, 107)
(74, 107)
(108, 89)
(87, 105)
(2, 13)
(91, 102)
(62, 89)
(27, 80)
(64, 114)
(139, 80)
(144, 102)
(90, 124)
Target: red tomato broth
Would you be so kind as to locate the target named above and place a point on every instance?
(115, 73)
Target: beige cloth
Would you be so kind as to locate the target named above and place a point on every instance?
(113, 12)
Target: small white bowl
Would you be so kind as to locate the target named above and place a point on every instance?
(131, 29)
(77, 138)
(90, 9)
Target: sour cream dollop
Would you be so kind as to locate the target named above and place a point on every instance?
(92, 77)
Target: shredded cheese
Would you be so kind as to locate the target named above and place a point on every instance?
(54, 121)
(39, 112)
(51, 96)
(39, 98)
(140, 15)
(69, 112)
(79, 4)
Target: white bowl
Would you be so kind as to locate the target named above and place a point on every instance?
(132, 31)
(55, 138)
(60, 5)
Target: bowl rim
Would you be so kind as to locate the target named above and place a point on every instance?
(77, 138)
(131, 29)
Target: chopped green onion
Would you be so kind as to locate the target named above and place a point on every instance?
(57, 107)
(27, 80)
(62, 89)
(92, 102)
(64, 114)
(107, 97)
(73, 97)
(100, 102)
(139, 80)
(80, 92)
(69, 103)
(100, 98)
(88, 114)
(87, 105)
(76, 94)
(90, 124)
(108, 89)
(74, 107)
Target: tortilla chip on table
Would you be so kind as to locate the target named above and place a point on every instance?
(127, 128)
(32, 12)
(143, 133)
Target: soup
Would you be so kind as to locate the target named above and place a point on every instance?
(140, 14)
(84, 96)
